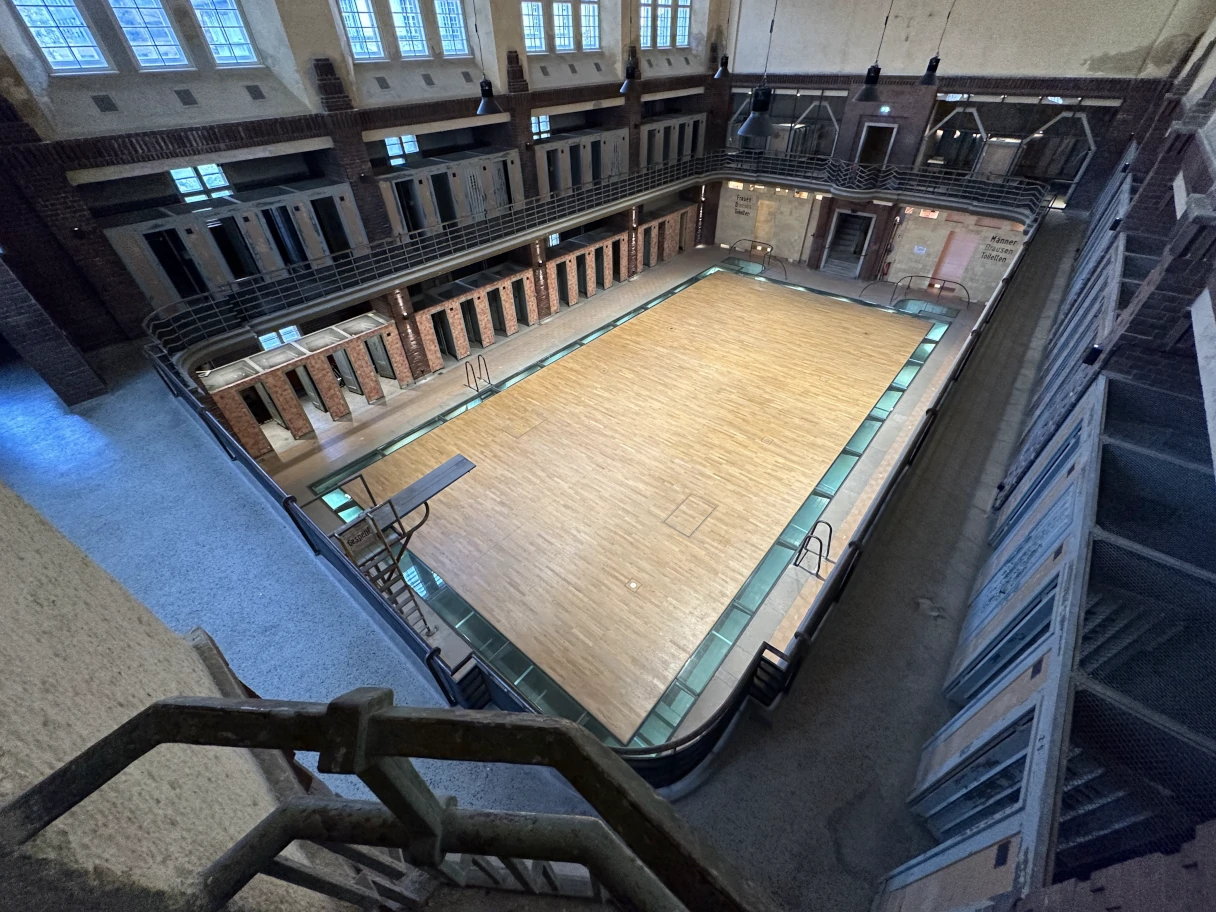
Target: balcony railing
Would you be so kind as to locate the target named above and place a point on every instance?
(373, 268)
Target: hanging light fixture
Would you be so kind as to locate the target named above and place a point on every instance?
(631, 72)
(930, 77)
(758, 124)
(723, 72)
(869, 90)
(488, 105)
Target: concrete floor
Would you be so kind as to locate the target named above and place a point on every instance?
(811, 801)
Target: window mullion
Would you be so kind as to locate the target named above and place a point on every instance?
(388, 31)
(430, 28)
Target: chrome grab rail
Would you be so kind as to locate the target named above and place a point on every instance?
(193, 320)
(941, 286)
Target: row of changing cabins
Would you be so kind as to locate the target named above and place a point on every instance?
(178, 251)
(448, 323)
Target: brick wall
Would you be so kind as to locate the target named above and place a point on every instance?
(43, 345)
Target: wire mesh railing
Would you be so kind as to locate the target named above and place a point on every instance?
(194, 320)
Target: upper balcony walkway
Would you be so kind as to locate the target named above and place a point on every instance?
(331, 282)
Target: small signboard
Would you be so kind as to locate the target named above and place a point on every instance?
(360, 539)
(920, 250)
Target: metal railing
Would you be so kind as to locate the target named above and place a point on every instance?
(639, 849)
(929, 286)
(376, 268)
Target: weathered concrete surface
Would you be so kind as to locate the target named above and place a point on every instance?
(78, 657)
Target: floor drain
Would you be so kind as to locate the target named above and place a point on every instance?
(633, 584)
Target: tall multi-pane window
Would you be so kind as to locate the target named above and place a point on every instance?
(563, 27)
(589, 13)
(202, 182)
(361, 29)
(146, 26)
(534, 26)
(225, 32)
(452, 34)
(645, 24)
(411, 33)
(683, 21)
(540, 126)
(400, 146)
(662, 24)
(62, 34)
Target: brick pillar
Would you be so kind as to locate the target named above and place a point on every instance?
(589, 258)
(369, 380)
(572, 280)
(671, 237)
(506, 298)
(485, 323)
(690, 227)
(61, 208)
(397, 357)
(288, 403)
(241, 422)
(396, 304)
(607, 276)
(555, 297)
(327, 385)
(633, 257)
(541, 286)
(456, 323)
(632, 111)
(530, 298)
(654, 243)
(430, 345)
(348, 159)
(44, 346)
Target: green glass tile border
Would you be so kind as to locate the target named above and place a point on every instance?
(669, 712)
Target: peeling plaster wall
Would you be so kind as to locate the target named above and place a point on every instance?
(1129, 38)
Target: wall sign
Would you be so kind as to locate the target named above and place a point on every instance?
(920, 250)
(999, 249)
(743, 204)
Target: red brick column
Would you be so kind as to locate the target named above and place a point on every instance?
(485, 322)
(671, 237)
(397, 357)
(369, 380)
(544, 291)
(633, 255)
(606, 278)
(654, 243)
(506, 298)
(530, 298)
(244, 426)
(589, 258)
(430, 345)
(327, 385)
(456, 322)
(555, 298)
(690, 227)
(572, 280)
(288, 403)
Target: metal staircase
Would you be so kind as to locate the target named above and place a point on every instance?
(637, 853)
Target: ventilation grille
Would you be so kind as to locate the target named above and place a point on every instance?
(687, 62)
(105, 104)
(544, 71)
(649, 62)
(186, 97)
(573, 69)
(468, 77)
(598, 68)
(426, 78)
(382, 82)
(255, 92)
(668, 59)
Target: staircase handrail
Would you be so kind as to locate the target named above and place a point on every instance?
(646, 854)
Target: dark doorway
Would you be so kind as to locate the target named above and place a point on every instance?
(662, 245)
(646, 234)
(330, 222)
(443, 333)
(683, 230)
(617, 260)
(284, 235)
(472, 327)
(412, 212)
(255, 401)
(310, 388)
(576, 165)
(175, 260)
(268, 404)
(875, 144)
(233, 247)
(553, 167)
(346, 370)
(379, 356)
(497, 317)
(597, 163)
(580, 274)
(519, 295)
(563, 283)
(445, 203)
(599, 267)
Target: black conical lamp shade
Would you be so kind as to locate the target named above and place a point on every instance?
(869, 91)
(488, 104)
(758, 124)
(630, 75)
(723, 72)
(930, 77)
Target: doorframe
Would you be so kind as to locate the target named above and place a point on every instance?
(865, 248)
(865, 127)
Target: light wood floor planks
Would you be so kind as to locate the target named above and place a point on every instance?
(672, 451)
